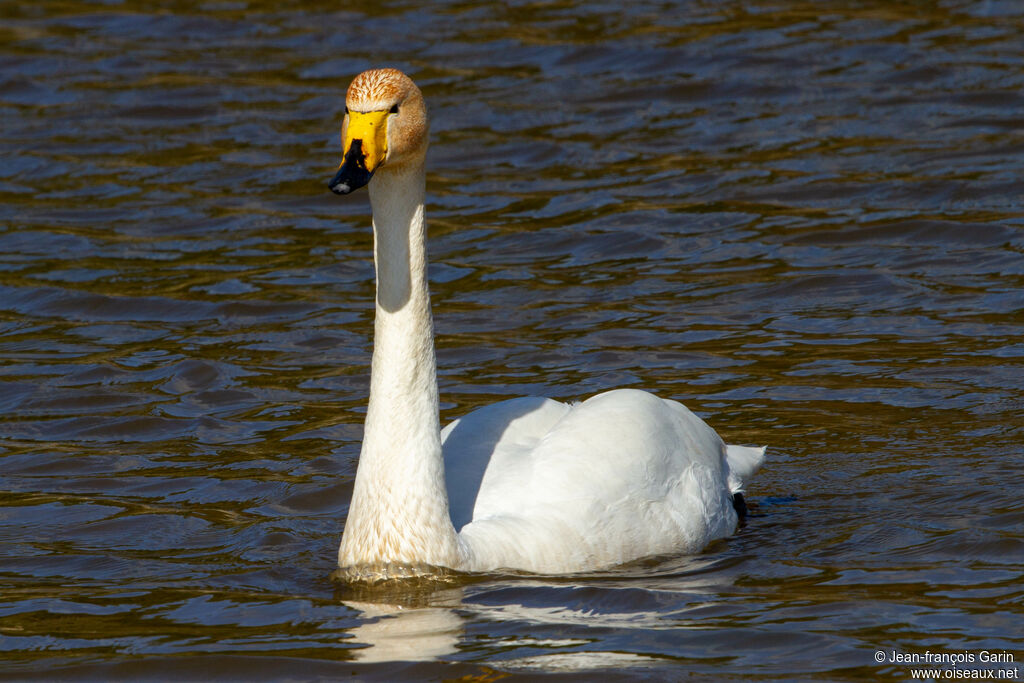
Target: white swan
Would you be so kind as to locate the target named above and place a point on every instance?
(527, 484)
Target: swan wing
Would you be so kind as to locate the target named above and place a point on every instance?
(620, 476)
(493, 442)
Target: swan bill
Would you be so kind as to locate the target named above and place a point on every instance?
(365, 146)
(352, 174)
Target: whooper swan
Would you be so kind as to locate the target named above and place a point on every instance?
(527, 484)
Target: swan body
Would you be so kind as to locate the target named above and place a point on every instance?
(527, 484)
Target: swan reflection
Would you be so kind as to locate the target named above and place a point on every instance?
(408, 634)
(420, 620)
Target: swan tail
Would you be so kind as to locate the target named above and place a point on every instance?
(744, 462)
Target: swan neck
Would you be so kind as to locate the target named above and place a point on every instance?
(403, 378)
(399, 511)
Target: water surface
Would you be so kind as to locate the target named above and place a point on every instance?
(804, 220)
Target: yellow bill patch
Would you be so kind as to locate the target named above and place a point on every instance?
(371, 128)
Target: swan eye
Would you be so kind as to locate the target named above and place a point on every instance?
(394, 109)
(346, 109)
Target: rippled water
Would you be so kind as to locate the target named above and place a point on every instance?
(805, 220)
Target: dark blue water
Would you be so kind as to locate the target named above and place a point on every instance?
(804, 220)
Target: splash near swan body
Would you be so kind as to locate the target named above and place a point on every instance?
(528, 484)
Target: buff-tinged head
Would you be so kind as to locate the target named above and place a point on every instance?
(385, 128)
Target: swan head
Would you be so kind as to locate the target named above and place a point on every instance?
(385, 128)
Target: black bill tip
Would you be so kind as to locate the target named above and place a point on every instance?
(353, 174)
(338, 185)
